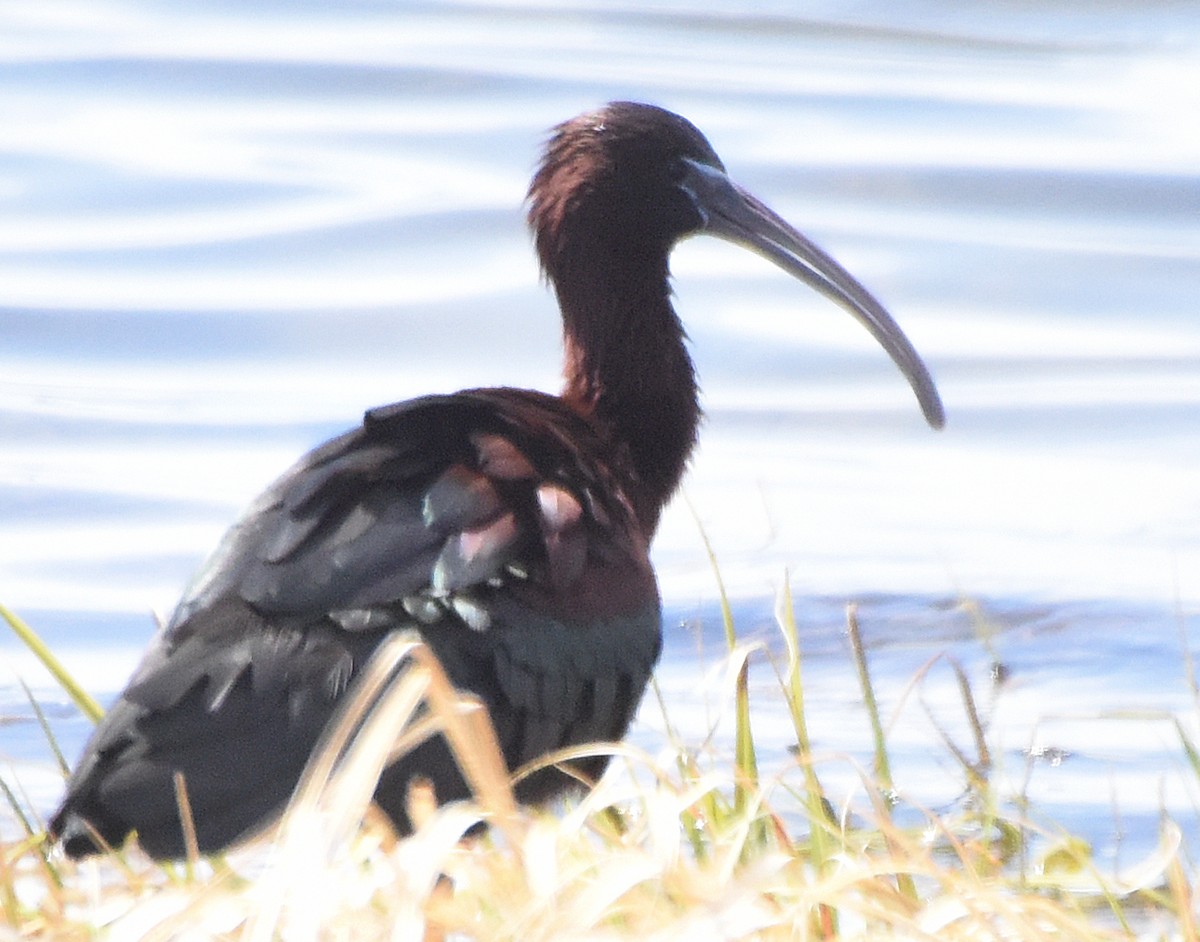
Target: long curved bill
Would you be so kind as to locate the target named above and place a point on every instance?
(732, 213)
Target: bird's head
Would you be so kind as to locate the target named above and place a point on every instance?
(618, 174)
(619, 186)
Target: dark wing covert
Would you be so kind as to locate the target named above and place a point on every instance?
(495, 522)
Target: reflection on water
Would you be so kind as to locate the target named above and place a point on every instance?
(226, 232)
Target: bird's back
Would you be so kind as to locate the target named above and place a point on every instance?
(496, 523)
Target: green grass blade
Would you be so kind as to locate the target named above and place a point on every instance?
(81, 698)
(47, 732)
(816, 803)
(15, 807)
(746, 758)
(882, 764)
(747, 785)
(726, 610)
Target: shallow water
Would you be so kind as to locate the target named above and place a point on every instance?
(225, 233)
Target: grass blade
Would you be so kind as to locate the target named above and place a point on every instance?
(81, 698)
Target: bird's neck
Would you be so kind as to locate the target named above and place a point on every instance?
(628, 369)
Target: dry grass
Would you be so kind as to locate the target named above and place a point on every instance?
(684, 846)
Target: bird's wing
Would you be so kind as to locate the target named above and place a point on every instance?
(491, 521)
(443, 511)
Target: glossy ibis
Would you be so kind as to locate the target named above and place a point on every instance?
(509, 527)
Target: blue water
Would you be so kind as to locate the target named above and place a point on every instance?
(226, 231)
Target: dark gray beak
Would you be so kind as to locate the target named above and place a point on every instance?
(732, 213)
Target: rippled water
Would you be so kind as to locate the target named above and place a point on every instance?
(225, 232)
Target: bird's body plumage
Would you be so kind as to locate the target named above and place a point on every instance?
(509, 528)
(493, 522)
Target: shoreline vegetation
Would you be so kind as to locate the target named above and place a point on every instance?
(687, 843)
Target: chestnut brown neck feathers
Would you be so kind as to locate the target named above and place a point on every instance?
(605, 211)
